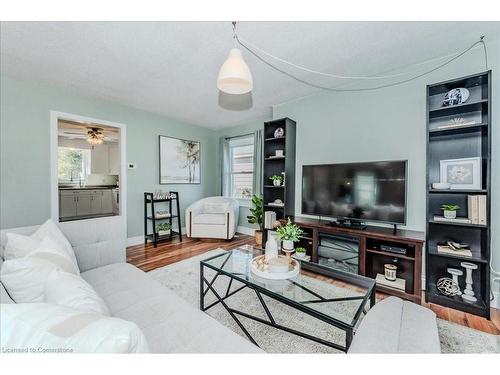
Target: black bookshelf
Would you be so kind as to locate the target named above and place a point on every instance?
(150, 206)
(472, 139)
(277, 165)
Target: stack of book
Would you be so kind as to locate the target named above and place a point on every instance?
(476, 205)
(460, 220)
(398, 284)
(448, 250)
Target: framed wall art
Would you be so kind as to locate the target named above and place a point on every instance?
(179, 161)
(461, 174)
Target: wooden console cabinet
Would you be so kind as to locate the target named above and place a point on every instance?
(371, 258)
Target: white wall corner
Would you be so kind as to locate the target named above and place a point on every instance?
(245, 230)
(496, 300)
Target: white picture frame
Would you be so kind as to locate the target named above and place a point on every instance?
(179, 161)
(461, 174)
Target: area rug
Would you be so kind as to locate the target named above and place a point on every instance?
(183, 278)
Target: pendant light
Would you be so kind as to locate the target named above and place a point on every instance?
(234, 75)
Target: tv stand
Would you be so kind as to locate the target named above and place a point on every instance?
(375, 246)
(348, 223)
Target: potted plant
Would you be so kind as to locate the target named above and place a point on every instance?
(256, 217)
(450, 210)
(300, 252)
(289, 234)
(163, 229)
(277, 180)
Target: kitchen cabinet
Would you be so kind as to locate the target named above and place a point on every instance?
(105, 159)
(76, 203)
(114, 158)
(99, 159)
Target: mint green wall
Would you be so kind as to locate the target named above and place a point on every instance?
(232, 132)
(389, 124)
(25, 158)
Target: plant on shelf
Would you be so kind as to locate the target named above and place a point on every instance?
(163, 229)
(300, 252)
(450, 210)
(289, 233)
(256, 217)
(277, 180)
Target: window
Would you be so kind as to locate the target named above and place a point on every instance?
(241, 167)
(73, 164)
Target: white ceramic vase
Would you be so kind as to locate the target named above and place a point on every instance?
(450, 214)
(287, 245)
(271, 249)
(276, 182)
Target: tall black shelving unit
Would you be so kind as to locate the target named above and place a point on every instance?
(463, 141)
(150, 205)
(276, 165)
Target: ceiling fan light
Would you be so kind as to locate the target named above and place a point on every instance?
(234, 75)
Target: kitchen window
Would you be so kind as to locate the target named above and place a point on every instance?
(241, 169)
(73, 164)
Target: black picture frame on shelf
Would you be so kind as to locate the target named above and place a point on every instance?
(471, 140)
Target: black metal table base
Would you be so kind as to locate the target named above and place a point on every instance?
(234, 313)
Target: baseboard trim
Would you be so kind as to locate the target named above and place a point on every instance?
(245, 230)
(137, 240)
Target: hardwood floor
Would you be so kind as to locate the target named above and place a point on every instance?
(147, 258)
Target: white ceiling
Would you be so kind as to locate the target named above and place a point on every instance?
(171, 67)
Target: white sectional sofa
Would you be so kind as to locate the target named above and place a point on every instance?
(169, 324)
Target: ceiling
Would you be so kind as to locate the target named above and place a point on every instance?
(77, 130)
(171, 68)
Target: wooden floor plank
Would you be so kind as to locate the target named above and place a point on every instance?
(147, 258)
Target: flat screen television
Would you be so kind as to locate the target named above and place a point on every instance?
(372, 191)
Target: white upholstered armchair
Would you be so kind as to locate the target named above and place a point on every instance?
(213, 217)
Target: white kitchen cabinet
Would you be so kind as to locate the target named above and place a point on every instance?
(114, 158)
(96, 202)
(67, 204)
(99, 159)
(83, 203)
(107, 202)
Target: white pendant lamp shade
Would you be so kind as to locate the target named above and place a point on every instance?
(234, 75)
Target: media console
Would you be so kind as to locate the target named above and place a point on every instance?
(372, 247)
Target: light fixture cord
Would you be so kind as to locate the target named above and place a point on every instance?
(235, 37)
(250, 49)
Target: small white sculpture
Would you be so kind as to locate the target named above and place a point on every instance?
(271, 249)
(454, 274)
(468, 294)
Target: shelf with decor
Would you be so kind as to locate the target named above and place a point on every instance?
(279, 164)
(154, 222)
(459, 156)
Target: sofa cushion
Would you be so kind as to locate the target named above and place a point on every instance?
(397, 326)
(210, 219)
(169, 323)
(215, 208)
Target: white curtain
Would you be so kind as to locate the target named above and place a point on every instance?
(224, 166)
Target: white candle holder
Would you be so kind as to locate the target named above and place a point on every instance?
(454, 275)
(468, 294)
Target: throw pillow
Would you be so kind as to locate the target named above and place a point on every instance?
(47, 328)
(25, 278)
(66, 289)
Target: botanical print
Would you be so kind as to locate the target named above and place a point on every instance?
(179, 161)
(462, 173)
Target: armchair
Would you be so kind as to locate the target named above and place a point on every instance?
(212, 217)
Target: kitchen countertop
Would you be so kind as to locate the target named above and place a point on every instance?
(94, 187)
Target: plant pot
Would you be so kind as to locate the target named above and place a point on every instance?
(300, 255)
(287, 245)
(276, 182)
(163, 233)
(258, 237)
(450, 214)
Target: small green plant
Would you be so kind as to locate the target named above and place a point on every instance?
(163, 227)
(449, 207)
(256, 211)
(300, 250)
(276, 178)
(290, 231)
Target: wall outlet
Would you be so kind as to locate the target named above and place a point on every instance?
(131, 165)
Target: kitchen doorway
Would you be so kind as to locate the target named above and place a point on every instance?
(88, 168)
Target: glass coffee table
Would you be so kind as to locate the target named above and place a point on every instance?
(334, 297)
